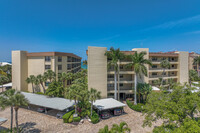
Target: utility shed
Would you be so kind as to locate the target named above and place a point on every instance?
(108, 103)
(2, 120)
(48, 102)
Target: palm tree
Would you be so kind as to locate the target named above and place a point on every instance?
(115, 56)
(93, 96)
(8, 95)
(41, 79)
(50, 75)
(121, 128)
(85, 62)
(18, 100)
(31, 80)
(3, 79)
(74, 93)
(164, 64)
(104, 130)
(171, 83)
(63, 78)
(138, 63)
(197, 62)
(193, 75)
(158, 82)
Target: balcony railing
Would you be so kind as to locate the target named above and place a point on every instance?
(162, 69)
(162, 60)
(160, 76)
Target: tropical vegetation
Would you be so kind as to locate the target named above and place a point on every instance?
(121, 128)
(114, 57)
(165, 64)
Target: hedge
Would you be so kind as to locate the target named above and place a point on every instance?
(77, 119)
(137, 107)
(70, 119)
(95, 118)
(67, 116)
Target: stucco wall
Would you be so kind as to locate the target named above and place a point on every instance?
(97, 69)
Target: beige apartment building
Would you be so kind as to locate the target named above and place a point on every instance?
(25, 64)
(102, 79)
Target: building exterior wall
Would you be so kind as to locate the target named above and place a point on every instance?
(26, 64)
(19, 70)
(183, 72)
(97, 69)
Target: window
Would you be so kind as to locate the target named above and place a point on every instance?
(59, 59)
(154, 66)
(172, 59)
(121, 67)
(121, 76)
(47, 58)
(110, 85)
(121, 85)
(59, 67)
(47, 83)
(47, 67)
(154, 73)
(172, 73)
(154, 59)
(110, 76)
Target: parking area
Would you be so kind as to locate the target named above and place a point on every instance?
(34, 122)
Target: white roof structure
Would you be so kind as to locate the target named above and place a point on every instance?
(2, 120)
(108, 103)
(6, 85)
(155, 88)
(48, 102)
(4, 63)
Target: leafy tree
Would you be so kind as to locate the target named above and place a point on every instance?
(171, 83)
(50, 75)
(93, 96)
(138, 63)
(18, 100)
(165, 64)
(193, 75)
(114, 56)
(41, 79)
(31, 79)
(3, 79)
(197, 62)
(158, 82)
(173, 108)
(55, 89)
(85, 62)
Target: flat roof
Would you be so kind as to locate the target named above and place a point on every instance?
(2, 120)
(48, 102)
(108, 103)
(35, 54)
(6, 85)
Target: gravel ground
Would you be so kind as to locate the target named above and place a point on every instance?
(34, 122)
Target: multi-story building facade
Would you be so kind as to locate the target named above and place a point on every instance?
(102, 79)
(25, 64)
(191, 62)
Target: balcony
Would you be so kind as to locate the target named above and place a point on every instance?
(161, 76)
(161, 69)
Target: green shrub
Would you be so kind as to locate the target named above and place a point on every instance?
(137, 107)
(94, 118)
(67, 116)
(40, 93)
(77, 119)
(70, 119)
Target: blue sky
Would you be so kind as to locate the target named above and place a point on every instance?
(73, 25)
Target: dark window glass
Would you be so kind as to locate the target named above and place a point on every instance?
(47, 67)
(59, 67)
(47, 83)
(47, 58)
(120, 85)
(59, 59)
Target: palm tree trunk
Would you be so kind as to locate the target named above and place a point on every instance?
(118, 77)
(91, 107)
(43, 87)
(115, 85)
(11, 119)
(16, 119)
(75, 107)
(33, 88)
(135, 95)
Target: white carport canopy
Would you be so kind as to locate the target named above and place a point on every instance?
(6, 85)
(155, 88)
(2, 120)
(48, 102)
(108, 103)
